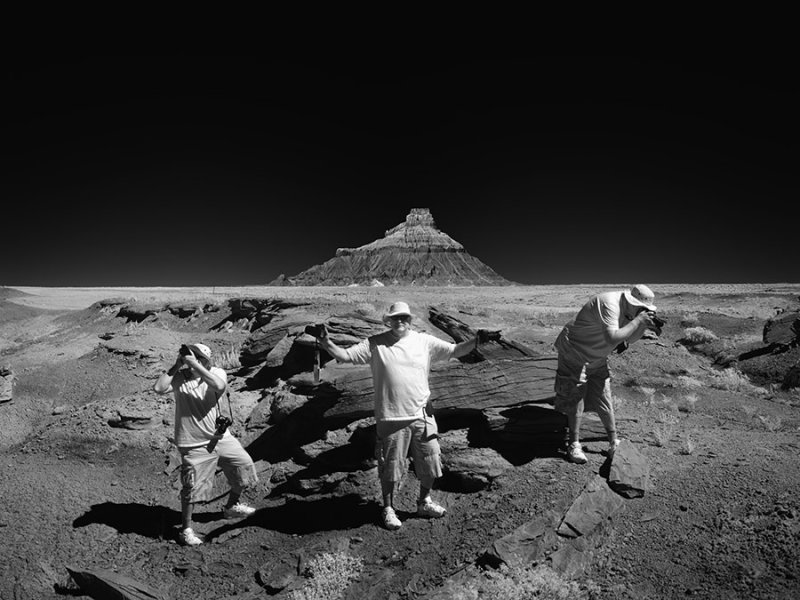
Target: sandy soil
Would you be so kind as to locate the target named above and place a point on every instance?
(721, 519)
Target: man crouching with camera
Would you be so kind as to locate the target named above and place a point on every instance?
(202, 436)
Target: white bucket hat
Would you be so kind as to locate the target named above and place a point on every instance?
(396, 310)
(201, 350)
(641, 295)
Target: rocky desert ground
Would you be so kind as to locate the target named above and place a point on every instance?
(89, 480)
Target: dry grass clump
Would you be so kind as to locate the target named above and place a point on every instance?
(664, 427)
(329, 576)
(687, 402)
(732, 380)
(699, 335)
(538, 583)
(228, 359)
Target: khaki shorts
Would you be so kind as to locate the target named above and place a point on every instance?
(394, 441)
(582, 387)
(199, 467)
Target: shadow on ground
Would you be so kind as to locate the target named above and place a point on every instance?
(303, 517)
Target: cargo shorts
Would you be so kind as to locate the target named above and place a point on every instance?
(199, 468)
(582, 387)
(394, 441)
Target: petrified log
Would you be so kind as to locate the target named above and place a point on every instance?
(455, 387)
(460, 331)
(6, 384)
(101, 584)
(262, 341)
(783, 329)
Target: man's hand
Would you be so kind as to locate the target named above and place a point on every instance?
(318, 331)
(484, 335)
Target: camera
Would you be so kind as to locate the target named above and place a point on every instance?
(658, 323)
(184, 350)
(317, 331)
(222, 425)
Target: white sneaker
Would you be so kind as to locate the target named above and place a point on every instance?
(238, 511)
(575, 453)
(390, 520)
(187, 537)
(429, 508)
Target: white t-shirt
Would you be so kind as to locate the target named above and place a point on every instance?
(585, 333)
(196, 409)
(400, 369)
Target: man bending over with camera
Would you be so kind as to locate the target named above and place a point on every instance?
(202, 436)
(607, 322)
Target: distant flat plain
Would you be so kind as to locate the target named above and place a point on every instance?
(759, 300)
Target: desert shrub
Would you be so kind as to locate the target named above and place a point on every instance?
(732, 380)
(538, 583)
(687, 402)
(329, 576)
(699, 335)
(648, 393)
(690, 320)
(772, 424)
(687, 444)
(684, 381)
(366, 309)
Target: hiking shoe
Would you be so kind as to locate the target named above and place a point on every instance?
(390, 520)
(188, 537)
(238, 511)
(575, 453)
(429, 508)
(612, 446)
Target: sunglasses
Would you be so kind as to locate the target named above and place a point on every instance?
(402, 318)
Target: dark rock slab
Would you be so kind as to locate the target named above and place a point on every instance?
(629, 474)
(527, 544)
(593, 507)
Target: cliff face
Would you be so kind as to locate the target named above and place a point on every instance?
(414, 252)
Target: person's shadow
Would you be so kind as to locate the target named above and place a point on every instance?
(301, 517)
(157, 522)
(294, 517)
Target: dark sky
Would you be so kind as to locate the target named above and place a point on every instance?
(209, 170)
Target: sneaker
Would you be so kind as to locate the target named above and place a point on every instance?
(188, 537)
(429, 508)
(575, 453)
(238, 511)
(612, 446)
(390, 520)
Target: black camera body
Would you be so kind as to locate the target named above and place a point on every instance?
(222, 424)
(184, 350)
(317, 331)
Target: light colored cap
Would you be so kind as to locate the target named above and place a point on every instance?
(202, 350)
(641, 295)
(397, 309)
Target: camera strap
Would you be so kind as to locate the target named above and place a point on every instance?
(230, 412)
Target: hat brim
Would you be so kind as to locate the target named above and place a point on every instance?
(635, 302)
(199, 353)
(397, 314)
